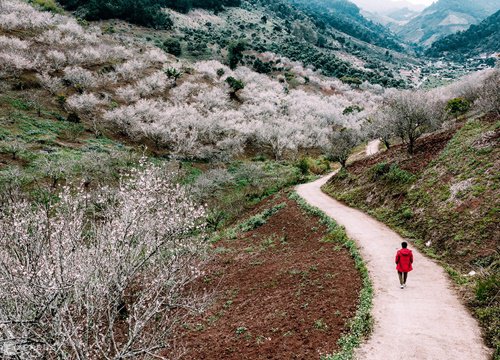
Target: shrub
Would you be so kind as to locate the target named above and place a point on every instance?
(172, 46)
(379, 170)
(48, 5)
(262, 67)
(487, 288)
(399, 176)
(457, 106)
(235, 53)
(235, 84)
(352, 109)
(220, 72)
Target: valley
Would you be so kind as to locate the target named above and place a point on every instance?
(160, 160)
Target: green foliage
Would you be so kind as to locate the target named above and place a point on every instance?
(141, 12)
(390, 173)
(48, 5)
(351, 80)
(398, 176)
(352, 109)
(262, 67)
(487, 288)
(260, 219)
(457, 106)
(186, 5)
(379, 170)
(172, 46)
(235, 53)
(308, 165)
(235, 84)
(220, 72)
(173, 73)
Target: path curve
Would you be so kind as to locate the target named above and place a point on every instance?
(425, 321)
(372, 147)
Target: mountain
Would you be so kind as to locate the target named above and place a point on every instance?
(392, 15)
(478, 39)
(331, 36)
(384, 7)
(446, 17)
(403, 14)
(345, 16)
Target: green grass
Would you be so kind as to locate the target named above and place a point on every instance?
(46, 150)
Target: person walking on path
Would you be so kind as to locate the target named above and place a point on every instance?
(404, 261)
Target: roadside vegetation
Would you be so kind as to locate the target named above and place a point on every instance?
(444, 199)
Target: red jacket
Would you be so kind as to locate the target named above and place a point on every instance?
(404, 259)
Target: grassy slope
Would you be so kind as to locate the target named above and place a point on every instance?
(446, 200)
(39, 146)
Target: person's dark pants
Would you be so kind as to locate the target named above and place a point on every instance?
(402, 277)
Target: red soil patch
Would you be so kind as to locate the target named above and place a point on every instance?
(282, 293)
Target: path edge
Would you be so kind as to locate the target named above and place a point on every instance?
(361, 325)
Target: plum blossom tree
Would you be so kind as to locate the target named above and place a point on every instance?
(411, 114)
(378, 126)
(489, 98)
(341, 144)
(99, 275)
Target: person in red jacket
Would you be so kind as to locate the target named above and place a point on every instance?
(404, 260)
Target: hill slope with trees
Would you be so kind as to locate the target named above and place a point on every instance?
(446, 17)
(336, 38)
(483, 38)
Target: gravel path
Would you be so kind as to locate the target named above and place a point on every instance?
(425, 321)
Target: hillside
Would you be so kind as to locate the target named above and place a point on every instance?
(480, 39)
(446, 17)
(340, 42)
(344, 16)
(444, 199)
(147, 159)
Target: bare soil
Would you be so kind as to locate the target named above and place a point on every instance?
(282, 293)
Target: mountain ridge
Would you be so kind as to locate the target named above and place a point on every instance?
(483, 38)
(446, 17)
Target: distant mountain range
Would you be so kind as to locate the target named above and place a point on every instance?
(446, 17)
(345, 16)
(483, 38)
(385, 7)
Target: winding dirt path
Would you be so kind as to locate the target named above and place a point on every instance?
(425, 321)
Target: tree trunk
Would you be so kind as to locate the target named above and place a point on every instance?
(411, 146)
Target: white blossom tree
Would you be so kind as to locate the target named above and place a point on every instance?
(99, 276)
(412, 114)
